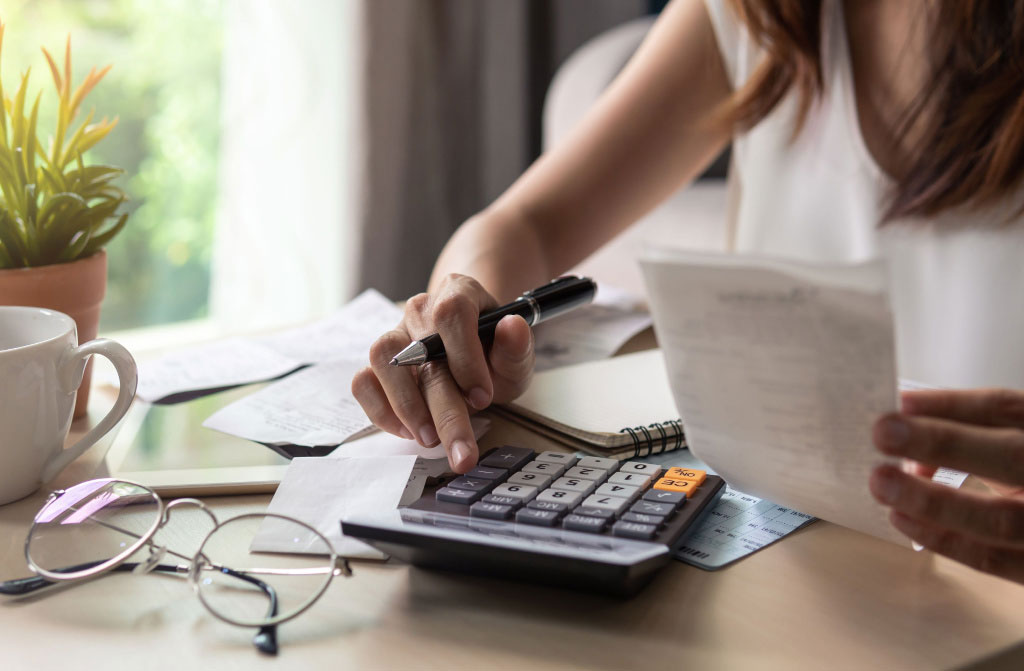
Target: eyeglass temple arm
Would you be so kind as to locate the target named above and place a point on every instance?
(265, 639)
(22, 586)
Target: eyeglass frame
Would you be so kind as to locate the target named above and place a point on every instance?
(334, 567)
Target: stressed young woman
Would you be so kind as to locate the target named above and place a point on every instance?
(859, 129)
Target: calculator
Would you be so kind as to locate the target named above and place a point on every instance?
(589, 523)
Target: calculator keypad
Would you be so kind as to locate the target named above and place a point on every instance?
(589, 494)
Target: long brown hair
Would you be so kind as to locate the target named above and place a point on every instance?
(971, 151)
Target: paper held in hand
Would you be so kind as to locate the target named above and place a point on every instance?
(779, 371)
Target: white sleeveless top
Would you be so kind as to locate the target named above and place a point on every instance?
(957, 291)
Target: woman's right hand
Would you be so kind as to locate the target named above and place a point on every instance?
(432, 403)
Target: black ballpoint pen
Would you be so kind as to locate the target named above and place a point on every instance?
(554, 298)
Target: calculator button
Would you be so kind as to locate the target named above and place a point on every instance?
(485, 473)
(472, 484)
(652, 508)
(594, 474)
(664, 496)
(561, 496)
(673, 485)
(490, 511)
(536, 479)
(541, 518)
(583, 523)
(557, 458)
(656, 520)
(522, 492)
(450, 495)
(613, 504)
(544, 468)
(632, 479)
(640, 467)
(602, 463)
(551, 506)
(621, 491)
(644, 532)
(502, 500)
(594, 511)
(508, 457)
(687, 474)
(574, 485)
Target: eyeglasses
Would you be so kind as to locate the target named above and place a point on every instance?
(96, 526)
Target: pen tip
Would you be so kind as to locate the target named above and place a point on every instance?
(394, 361)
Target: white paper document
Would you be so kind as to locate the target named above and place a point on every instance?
(591, 332)
(779, 371)
(347, 333)
(320, 492)
(311, 408)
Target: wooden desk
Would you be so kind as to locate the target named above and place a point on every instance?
(824, 597)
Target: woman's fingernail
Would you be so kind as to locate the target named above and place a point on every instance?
(885, 487)
(478, 398)
(461, 454)
(895, 432)
(406, 433)
(428, 435)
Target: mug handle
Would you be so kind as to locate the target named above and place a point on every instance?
(70, 371)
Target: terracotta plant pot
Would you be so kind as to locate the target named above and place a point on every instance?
(75, 288)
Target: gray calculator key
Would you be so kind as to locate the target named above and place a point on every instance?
(662, 496)
(472, 484)
(591, 511)
(450, 495)
(622, 491)
(560, 496)
(557, 458)
(490, 511)
(574, 485)
(656, 520)
(640, 467)
(652, 508)
(612, 504)
(541, 518)
(583, 523)
(551, 506)
(502, 500)
(487, 473)
(595, 474)
(536, 479)
(508, 457)
(522, 492)
(644, 532)
(640, 480)
(544, 468)
(603, 463)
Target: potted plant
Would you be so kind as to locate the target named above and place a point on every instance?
(56, 212)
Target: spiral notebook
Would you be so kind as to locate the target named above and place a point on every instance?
(620, 407)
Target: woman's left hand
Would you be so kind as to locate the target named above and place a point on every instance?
(977, 431)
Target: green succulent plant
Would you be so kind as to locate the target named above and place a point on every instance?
(53, 207)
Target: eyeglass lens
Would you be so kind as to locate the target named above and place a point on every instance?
(260, 585)
(90, 524)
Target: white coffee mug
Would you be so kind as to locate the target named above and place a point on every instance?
(41, 368)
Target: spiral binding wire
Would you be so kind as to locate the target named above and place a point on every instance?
(648, 439)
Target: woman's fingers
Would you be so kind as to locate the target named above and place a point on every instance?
(450, 415)
(367, 390)
(455, 314)
(994, 520)
(997, 560)
(511, 358)
(988, 451)
(401, 388)
(988, 407)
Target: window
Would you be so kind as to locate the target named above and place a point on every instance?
(235, 134)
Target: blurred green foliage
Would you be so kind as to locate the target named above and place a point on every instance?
(165, 89)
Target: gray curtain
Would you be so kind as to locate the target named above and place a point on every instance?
(453, 93)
